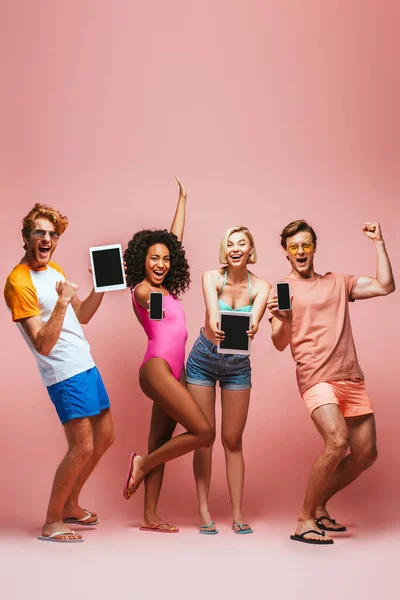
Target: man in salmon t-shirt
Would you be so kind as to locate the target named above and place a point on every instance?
(48, 313)
(329, 377)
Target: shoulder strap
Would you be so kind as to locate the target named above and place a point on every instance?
(225, 280)
(250, 288)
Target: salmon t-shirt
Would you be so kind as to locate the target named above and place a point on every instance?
(322, 341)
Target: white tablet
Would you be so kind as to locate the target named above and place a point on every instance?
(234, 324)
(108, 268)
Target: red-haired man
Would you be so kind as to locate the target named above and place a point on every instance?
(48, 312)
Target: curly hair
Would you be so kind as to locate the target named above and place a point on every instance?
(177, 280)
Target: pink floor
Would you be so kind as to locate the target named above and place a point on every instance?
(117, 560)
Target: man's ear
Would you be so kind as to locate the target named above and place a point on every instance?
(25, 240)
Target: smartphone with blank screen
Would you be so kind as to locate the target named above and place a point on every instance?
(156, 306)
(283, 293)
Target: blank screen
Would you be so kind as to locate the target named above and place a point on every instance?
(235, 328)
(107, 267)
(283, 296)
(156, 299)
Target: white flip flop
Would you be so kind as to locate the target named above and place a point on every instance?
(82, 520)
(52, 537)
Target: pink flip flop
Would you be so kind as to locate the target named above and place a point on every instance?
(156, 528)
(126, 493)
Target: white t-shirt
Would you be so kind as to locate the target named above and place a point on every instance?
(32, 292)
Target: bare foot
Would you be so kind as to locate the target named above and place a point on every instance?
(158, 524)
(238, 524)
(307, 525)
(49, 528)
(205, 518)
(150, 519)
(76, 512)
(327, 521)
(137, 475)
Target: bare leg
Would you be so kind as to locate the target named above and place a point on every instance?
(363, 453)
(202, 457)
(158, 383)
(161, 429)
(332, 427)
(235, 406)
(103, 437)
(80, 440)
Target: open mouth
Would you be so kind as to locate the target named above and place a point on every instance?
(236, 257)
(159, 274)
(44, 251)
(301, 261)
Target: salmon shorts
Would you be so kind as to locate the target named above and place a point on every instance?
(349, 394)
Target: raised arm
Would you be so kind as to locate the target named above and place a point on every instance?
(259, 305)
(44, 336)
(281, 323)
(383, 283)
(178, 224)
(85, 309)
(210, 282)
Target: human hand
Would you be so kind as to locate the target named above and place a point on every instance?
(286, 316)
(373, 231)
(148, 312)
(66, 290)
(182, 191)
(218, 333)
(252, 332)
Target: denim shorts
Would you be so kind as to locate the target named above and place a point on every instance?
(82, 395)
(205, 366)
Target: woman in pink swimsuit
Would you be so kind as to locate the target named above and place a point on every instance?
(155, 261)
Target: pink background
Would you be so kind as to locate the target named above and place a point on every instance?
(268, 112)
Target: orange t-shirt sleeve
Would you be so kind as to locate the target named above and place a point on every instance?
(351, 282)
(20, 295)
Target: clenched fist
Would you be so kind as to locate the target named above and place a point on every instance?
(373, 231)
(66, 290)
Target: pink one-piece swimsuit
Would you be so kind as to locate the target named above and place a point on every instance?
(166, 338)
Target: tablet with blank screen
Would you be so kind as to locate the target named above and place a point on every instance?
(234, 324)
(107, 268)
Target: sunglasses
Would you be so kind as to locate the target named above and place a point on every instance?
(294, 248)
(40, 234)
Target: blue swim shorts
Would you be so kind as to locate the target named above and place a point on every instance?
(205, 366)
(82, 395)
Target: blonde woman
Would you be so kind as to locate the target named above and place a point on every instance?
(232, 287)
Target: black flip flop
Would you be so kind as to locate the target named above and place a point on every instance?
(301, 538)
(324, 528)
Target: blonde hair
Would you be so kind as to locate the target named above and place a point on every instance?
(41, 211)
(223, 245)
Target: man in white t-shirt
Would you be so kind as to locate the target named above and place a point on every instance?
(48, 312)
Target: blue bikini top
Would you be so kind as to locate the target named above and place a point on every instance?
(223, 306)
